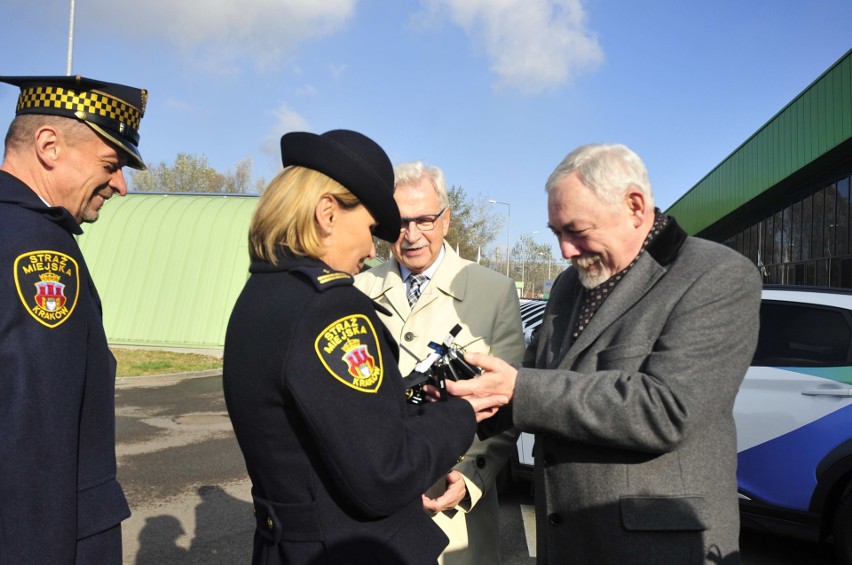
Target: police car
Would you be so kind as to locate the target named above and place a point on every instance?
(793, 414)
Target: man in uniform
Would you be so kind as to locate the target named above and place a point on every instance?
(65, 149)
(425, 290)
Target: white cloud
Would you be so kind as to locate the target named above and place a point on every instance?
(337, 70)
(533, 45)
(307, 90)
(219, 33)
(286, 120)
(180, 105)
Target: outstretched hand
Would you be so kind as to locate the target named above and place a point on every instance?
(497, 380)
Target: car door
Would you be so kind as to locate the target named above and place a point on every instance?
(795, 403)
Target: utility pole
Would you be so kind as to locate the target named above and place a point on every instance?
(70, 41)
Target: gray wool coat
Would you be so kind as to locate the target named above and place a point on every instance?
(635, 451)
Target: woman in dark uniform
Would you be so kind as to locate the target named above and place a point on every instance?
(338, 460)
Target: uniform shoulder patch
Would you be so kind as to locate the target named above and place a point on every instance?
(324, 279)
(349, 350)
(48, 284)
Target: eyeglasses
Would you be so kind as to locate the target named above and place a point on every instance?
(424, 223)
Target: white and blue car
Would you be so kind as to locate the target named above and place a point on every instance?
(793, 415)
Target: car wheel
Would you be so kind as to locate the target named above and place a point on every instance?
(842, 529)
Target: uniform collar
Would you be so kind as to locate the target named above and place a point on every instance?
(14, 191)
(287, 262)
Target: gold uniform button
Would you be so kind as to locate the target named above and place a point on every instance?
(269, 523)
(460, 459)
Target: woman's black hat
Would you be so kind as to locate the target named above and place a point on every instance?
(355, 161)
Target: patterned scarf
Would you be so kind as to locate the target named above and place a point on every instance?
(594, 297)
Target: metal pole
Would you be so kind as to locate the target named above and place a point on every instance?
(70, 41)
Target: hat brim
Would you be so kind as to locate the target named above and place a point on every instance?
(125, 101)
(354, 161)
(134, 159)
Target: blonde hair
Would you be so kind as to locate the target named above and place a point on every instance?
(284, 216)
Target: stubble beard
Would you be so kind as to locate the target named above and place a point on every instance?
(90, 212)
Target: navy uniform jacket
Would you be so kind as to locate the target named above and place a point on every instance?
(59, 498)
(337, 458)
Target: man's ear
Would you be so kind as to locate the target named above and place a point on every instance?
(637, 205)
(49, 144)
(325, 211)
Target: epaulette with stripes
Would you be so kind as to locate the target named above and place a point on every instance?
(323, 279)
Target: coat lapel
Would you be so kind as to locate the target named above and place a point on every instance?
(650, 267)
(639, 280)
(388, 288)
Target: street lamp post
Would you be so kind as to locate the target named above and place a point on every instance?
(508, 219)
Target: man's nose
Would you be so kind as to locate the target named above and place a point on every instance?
(117, 183)
(411, 232)
(568, 248)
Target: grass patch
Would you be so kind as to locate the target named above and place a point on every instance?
(141, 362)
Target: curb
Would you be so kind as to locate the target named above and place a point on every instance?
(170, 378)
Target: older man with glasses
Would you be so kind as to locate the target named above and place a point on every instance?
(426, 288)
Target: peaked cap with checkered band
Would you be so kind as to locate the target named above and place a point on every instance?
(112, 110)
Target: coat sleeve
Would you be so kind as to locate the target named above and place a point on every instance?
(43, 384)
(346, 387)
(487, 457)
(659, 372)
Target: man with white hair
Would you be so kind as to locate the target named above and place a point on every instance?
(426, 289)
(629, 384)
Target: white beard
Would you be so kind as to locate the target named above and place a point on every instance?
(591, 271)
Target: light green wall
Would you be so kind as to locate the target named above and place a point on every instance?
(169, 267)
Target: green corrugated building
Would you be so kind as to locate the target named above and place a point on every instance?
(169, 267)
(782, 197)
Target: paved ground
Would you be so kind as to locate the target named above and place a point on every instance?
(186, 483)
(183, 474)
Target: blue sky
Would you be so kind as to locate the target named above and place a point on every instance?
(496, 92)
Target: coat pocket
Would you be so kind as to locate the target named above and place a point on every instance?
(278, 521)
(623, 357)
(663, 513)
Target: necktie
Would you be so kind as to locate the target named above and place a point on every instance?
(414, 283)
